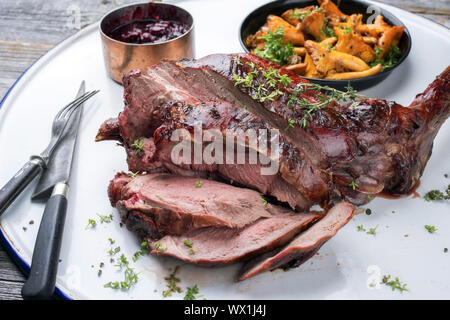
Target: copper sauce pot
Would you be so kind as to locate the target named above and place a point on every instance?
(121, 57)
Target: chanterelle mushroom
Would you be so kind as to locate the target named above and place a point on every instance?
(352, 43)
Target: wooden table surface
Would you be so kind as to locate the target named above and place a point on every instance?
(29, 28)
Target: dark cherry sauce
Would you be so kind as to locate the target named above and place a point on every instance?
(148, 31)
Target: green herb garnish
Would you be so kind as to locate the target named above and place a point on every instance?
(158, 247)
(274, 50)
(199, 184)
(105, 219)
(394, 284)
(353, 185)
(91, 223)
(372, 231)
(390, 59)
(360, 228)
(172, 286)
(435, 195)
(192, 293)
(430, 229)
(138, 144)
(264, 201)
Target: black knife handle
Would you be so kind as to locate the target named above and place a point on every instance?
(21, 179)
(44, 265)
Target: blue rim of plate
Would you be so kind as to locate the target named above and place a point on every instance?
(13, 254)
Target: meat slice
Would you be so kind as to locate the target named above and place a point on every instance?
(220, 246)
(304, 246)
(158, 204)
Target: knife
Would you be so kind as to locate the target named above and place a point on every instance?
(44, 265)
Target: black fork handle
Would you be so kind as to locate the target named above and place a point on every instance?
(21, 179)
(40, 284)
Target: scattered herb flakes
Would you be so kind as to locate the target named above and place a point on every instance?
(291, 124)
(274, 49)
(102, 264)
(159, 247)
(389, 60)
(24, 228)
(31, 222)
(99, 273)
(133, 174)
(263, 201)
(138, 144)
(105, 219)
(394, 284)
(145, 248)
(111, 241)
(430, 229)
(369, 197)
(445, 250)
(446, 175)
(172, 286)
(91, 224)
(130, 276)
(189, 244)
(199, 184)
(114, 251)
(435, 195)
(192, 293)
(372, 231)
(406, 235)
(360, 228)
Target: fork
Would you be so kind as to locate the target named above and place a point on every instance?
(38, 163)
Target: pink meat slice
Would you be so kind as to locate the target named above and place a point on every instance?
(220, 246)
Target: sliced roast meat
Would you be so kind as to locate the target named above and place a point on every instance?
(161, 203)
(304, 246)
(220, 246)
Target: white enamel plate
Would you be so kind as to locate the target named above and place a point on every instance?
(344, 267)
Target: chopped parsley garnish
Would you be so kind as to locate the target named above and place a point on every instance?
(114, 251)
(145, 248)
(291, 124)
(111, 241)
(172, 286)
(264, 201)
(435, 195)
(274, 50)
(390, 59)
(91, 223)
(360, 228)
(133, 174)
(430, 229)
(329, 95)
(189, 244)
(130, 276)
(192, 293)
(105, 219)
(199, 184)
(328, 31)
(372, 231)
(394, 284)
(138, 144)
(158, 247)
(353, 185)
